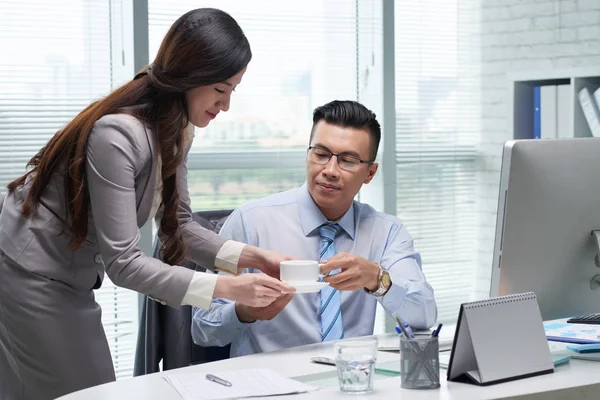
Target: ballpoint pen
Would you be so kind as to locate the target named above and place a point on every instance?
(216, 379)
(401, 325)
(409, 330)
(437, 330)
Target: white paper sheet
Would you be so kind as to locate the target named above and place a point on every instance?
(575, 333)
(244, 383)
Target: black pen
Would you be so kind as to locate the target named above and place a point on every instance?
(436, 332)
(216, 379)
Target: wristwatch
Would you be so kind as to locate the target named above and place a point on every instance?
(385, 282)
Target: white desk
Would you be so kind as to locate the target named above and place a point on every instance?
(577, 380)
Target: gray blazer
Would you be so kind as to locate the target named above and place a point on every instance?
(164, 332)
(52, 340)
(121, 172)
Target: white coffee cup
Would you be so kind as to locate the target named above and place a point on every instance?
(299, 271)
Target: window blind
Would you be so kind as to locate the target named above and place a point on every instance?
(437, 134)
(56, 60)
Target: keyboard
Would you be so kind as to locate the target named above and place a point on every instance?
(585, 319)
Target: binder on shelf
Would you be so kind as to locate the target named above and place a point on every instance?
(537, 121)
(548, 112)
(596, 101)
(564, 112)
(590, 110)
(498, 340)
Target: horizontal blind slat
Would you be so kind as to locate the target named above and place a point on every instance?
(437, 134)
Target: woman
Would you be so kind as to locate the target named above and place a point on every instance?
(78, 209)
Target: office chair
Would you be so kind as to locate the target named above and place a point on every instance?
(165, 332)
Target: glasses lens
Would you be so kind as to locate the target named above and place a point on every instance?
(320, 156)
(349, 163)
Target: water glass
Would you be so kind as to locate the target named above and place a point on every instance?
(355, 362)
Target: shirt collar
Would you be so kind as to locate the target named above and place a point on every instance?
(312, 218)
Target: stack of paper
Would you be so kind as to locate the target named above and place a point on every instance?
(244, 383)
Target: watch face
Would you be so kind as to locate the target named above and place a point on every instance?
(386, 282)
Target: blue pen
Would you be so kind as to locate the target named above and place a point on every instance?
(402, 330)
(401, 325)
(407, 332)
(437, 330)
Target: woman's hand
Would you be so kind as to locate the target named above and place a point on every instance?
(265, 260)
(256, 290)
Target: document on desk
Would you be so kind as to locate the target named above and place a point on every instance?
(572, 333)
(244, 383)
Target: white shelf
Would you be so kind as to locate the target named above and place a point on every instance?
(521, 86)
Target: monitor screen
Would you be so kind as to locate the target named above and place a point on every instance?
(548, 207)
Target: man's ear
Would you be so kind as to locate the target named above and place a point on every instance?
(371, 174)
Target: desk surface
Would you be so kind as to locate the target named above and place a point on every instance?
(579, 379)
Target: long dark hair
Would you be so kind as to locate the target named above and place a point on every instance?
(203, 47)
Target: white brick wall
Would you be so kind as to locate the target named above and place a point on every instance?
(522, 35)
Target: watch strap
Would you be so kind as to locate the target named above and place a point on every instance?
(381, 290)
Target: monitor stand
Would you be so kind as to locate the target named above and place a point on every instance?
(595, 282)
(596, 235)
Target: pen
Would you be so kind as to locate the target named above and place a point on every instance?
(216, 379)
(437, 330)
(401, 325)
(410, 332)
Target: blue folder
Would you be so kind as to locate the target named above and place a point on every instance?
(585, 348)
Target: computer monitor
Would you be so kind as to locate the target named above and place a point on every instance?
(548, 208)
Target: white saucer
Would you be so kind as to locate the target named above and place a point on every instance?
(308, 287)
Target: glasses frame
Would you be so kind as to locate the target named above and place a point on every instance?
(338, 155)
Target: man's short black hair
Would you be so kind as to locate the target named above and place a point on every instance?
(349, 114)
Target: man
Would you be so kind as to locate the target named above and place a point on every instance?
(368, 255)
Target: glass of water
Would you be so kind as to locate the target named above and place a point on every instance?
(355, 362)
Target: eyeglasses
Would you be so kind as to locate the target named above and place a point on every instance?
(345, 161)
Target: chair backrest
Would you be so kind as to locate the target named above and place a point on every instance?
(165, 332)
(213, 220)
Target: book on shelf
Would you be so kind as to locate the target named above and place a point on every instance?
(552, 112)
(590, 110)
(564, 115)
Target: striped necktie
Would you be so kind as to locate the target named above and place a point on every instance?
(330, 312)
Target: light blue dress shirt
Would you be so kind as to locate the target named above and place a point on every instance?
(289, 223)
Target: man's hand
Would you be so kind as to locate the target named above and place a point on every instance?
(356, 272)
(250, 314)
